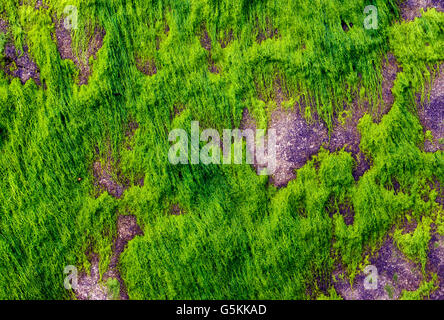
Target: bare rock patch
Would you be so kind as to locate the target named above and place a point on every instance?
(176, 210)
(105, 176)
(127, 229)
(17, 63)
(66, 50)
(298, 140)
(40, 5)
(4, 26)
(435, 263)
(411, 9)
(390, 69)
(431, 114)
(20, 65)
(91, 287)
(395, 274)
(147, 67)
(205, 42)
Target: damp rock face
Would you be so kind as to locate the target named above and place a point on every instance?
(205, 42)
(395, 273)
(66, 50)
(296, 142)
(431, 115)
(20, 65)
(411, 9)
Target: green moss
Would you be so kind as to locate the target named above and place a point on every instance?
(113, 287)
(415, 245)
(240, 237)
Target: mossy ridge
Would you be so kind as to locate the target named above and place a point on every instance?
(241, 236)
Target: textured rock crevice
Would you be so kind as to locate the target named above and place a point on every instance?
(19, 64)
